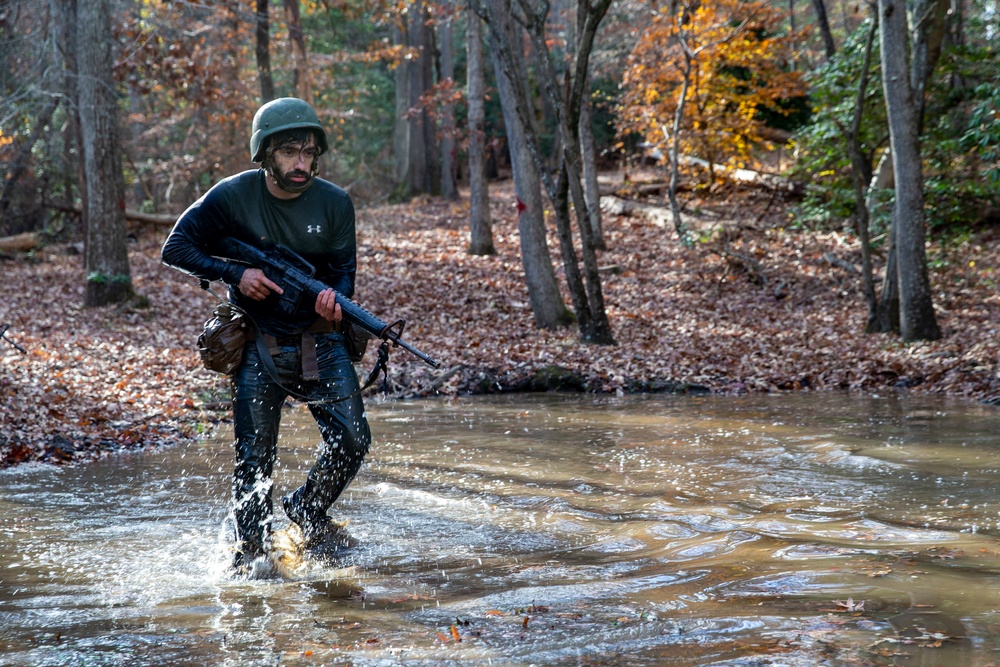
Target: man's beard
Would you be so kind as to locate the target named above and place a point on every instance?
(285, 182)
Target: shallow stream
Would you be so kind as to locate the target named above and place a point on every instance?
(804, 529)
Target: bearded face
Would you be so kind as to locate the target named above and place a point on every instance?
(292, 162)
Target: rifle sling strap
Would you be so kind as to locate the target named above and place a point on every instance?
(267, 345)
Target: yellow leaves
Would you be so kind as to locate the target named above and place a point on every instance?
(732, 70)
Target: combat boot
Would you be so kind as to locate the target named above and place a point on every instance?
(248, 556)
(314, 523)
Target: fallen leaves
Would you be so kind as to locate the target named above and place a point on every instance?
(129, 377)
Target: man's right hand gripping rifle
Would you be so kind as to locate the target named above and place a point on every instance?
(286, 273)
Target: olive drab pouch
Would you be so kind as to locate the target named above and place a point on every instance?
(221, 343)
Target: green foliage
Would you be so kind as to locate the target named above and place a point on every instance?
(962, 137)
(604, 99)
(821, 145)
(960, 141)
(982, 133)
(354, 90)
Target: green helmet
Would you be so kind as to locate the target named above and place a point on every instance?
(285, 113)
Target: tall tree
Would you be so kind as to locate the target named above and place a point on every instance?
(264, 52)
(302, 78)
(588, 146)
(563, 83)
(415, 137)
(109, 278)
(445, 32)
(824, 28)
(861, 173)
(480, 223)
(916, 310)
(927, 24)
(543, 290)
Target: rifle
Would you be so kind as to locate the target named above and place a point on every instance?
(294, 274)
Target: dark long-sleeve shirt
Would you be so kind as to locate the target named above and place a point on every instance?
(318, 224)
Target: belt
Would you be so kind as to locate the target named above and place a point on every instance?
(306, 342)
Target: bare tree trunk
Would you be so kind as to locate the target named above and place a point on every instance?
(675, 208)
(108, 279)
(927, 27)
(403, 127)
(916, 310)
(564, 94)
(927, 32)
(824, 28)
(300, 61)
(449, 188)
(886, 316)
(423, 169)
(480, 223)
(861, 175)
(264, 52)
(588, 150)
(543, 290)
(567, 100)
(592, 190)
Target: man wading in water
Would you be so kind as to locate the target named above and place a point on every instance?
(283, 202)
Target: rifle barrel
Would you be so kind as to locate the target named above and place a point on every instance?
(430, 361)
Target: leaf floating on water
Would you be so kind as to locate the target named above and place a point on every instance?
(850, 605)
(454, 633)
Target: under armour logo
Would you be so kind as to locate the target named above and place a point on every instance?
(314, 229)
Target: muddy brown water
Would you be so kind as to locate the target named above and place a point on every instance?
(805, 529)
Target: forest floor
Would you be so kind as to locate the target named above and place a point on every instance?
(756, 306)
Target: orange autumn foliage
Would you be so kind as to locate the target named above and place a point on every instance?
(736, 67)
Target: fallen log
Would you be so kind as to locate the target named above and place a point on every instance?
(751, 177)
(31, 240)
(157, 219)
(20, 242)
(741, 176)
